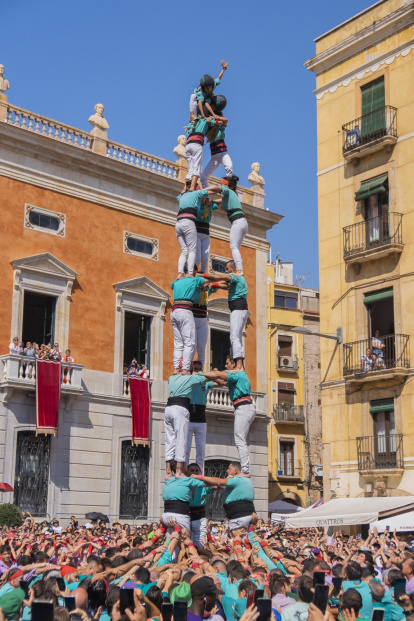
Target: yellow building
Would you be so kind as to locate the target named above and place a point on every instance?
(294, 391)
(365, 114)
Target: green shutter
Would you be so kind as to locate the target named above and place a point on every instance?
(381, 405)
(376, 296)
(373, 99)
(372, 186)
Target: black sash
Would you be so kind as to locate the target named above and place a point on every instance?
(177, 506)
(184, 402)
(238, 509)
(196, 513)
(238, 304)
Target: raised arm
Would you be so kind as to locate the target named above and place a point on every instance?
(211, 481)
(224, 68)
(215, 375)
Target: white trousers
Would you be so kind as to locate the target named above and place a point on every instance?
(238, 319)
(202, 251)
(237, 234)
(201, 334)
(216, 160)
(182, 520)
(186, 232)
(199, 431)
(243, 522)
(199, 532)
(194, 155)
(182, 321)
(193, 104)
(176, 432)
(243, 418)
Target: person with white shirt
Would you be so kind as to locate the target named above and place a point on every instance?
(14, 347)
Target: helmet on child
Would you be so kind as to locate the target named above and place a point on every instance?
(219, 102)
(206, 80)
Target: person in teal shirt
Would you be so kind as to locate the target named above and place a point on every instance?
(203, 93)
(218, 147)
(197, 131)
(198, 510)
(232, 206)
(203, 220)
(198, 423)
(238, 496)
(244, 408)
(176, 419)
(176, 495)
(236, 285)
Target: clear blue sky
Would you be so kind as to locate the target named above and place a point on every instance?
(143, 59)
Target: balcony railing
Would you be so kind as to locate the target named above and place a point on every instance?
(369, 128)
(382, 452)
(395, 354)
(289, 469)
(293, 414)
(15, 369)
(375, 233)
(288, 363)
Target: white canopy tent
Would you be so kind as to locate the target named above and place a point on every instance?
(350, 512)
(403, 522)
(280, 509)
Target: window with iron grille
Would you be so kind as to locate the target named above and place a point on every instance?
(31, 479)
(214, 507)
(134, 480)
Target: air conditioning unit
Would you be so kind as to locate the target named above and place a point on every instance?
(318, 471)
(286, 362)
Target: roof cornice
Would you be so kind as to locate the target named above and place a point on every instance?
(361, 40)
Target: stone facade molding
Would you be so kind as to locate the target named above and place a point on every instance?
(47, 275)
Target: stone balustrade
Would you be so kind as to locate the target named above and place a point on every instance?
(48, 127)
(142, 160)
(20, 370)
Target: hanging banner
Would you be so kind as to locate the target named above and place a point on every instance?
(48, 379)
(139, 390)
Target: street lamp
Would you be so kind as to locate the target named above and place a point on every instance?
(303, 330)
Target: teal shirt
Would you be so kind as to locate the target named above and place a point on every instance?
(180, 489)
(238, 488)
(199, 496)
(6, 588)
(191, 200)
(219, 134)
(165, 559)
(230, 203)
(200, 126)
(201, 296)
(200, 392)
(237, 288)
(262, 554)
(185, 288)
(201, 95)
(182, 385)
(238, 383)
(365, 592)
(205, 212)
(393, 612)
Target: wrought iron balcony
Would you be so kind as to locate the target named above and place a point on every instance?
(373, 238)
(370, 132)
(382, 452)
(288, 363)
(286, 469)
(392, 361)
(286, 414)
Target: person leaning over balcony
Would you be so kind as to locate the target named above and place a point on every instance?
(232, 206)
(244, 410)
(176, 419)
(377, 345)
(366, 361)
(198, 423)
(237, 288)
(14, 347)
(185, 227)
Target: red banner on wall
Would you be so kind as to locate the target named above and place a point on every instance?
(48, 376)
(139, 389)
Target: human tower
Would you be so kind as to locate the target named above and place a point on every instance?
(186, 489)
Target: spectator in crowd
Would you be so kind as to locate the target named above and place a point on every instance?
(377, 344)
(29, 350)
(14, 347)
(366, 361)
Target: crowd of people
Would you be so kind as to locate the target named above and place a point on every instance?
(136, 370)
(40, 352)
(81, 571)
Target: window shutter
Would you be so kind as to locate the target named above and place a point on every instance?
(373, 98)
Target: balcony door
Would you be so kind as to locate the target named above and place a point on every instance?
(376, 214)
(287, 464)
(32, 472)
(385, 449)
(214, 507)
(220, 348)
(137, 339)
(134, 480)
(373, 111)
(38, 318)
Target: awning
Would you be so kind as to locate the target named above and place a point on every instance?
(281, 506)
(5, 487)
(350, 512)
(400, 523)
(372, 186)
(381, 405)
(376, 296)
